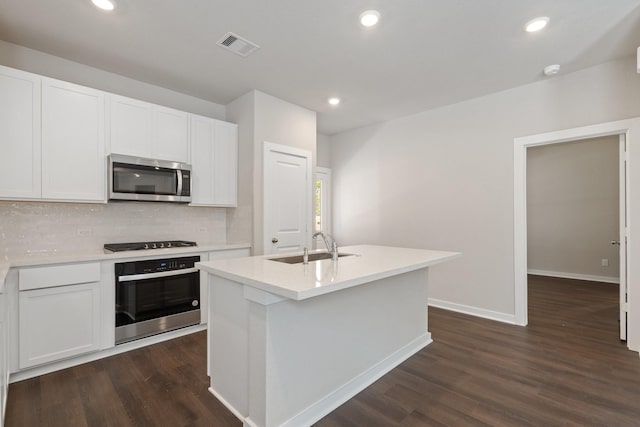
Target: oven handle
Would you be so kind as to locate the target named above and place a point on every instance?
(133, 277)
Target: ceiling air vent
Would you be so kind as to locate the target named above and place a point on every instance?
(237, 44)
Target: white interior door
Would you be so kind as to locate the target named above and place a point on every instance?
(287, 198)
(623, 238)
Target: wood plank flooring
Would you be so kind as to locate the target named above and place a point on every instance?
(567, 368)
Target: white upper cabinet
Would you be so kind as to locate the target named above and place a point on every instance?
(171, 136)
(73, 154)
(214, 158)
(225, 164)
(54, 138)
(19, 134)
(146, 130)
(202, 135)
(130, 126)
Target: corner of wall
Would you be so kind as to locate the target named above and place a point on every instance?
(241, 218)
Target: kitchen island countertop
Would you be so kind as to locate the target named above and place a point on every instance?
(300, 281)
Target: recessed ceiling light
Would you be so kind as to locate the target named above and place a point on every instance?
(334, 101)
(369, 18)
(536, 24)
(107, 5)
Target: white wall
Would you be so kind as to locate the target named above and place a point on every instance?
(37, 62)
(270, 119)
(443, 179)
(240, 219)
(572, 208)
(323, 150)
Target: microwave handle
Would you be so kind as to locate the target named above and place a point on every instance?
(179, 192)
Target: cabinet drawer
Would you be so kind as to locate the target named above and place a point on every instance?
(58, 275)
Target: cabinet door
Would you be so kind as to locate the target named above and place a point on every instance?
(130, 126)
(19, 134)
(202, 135)
(170, 135)
(60, 322)
(214, 158)
(4, 358)
(225, 164)
(73, 154)
(204, 277)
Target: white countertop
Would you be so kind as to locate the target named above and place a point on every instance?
(48, 258)
(300, 281)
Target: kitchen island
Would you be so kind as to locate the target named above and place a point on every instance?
(289, 343)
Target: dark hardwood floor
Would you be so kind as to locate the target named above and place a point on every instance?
(567, 368)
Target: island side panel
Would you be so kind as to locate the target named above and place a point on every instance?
(228, 344)
(314, 354)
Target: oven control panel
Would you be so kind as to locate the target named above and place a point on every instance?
(155, 265)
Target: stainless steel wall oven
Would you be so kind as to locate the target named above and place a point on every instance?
(155, 296)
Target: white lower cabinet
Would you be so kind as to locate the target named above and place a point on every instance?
(4, 359)
(60, 322)
(204, 288)
(59, 313)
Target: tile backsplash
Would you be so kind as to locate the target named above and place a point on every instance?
(28, 228)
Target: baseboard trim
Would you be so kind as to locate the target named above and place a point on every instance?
(473, 311)
(28, 373)
(331, 401)
(563, 275)
(229, 406)
(327, 404)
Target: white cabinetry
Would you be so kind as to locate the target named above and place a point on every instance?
(4, 358)
(19, 134)
(146, 130)
(52, 136)
(73, 155)
(214, 158)
(204, 288)
(59, 312)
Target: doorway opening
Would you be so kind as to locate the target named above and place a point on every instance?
(621, 129)
(573, 226)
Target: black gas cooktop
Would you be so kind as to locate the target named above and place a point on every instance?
(141, 246)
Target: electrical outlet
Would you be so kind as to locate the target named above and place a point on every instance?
(605, 262)
(84, 231)
(202, 230)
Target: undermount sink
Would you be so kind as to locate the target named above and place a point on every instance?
(297, 259)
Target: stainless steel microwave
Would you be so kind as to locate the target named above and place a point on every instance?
(137, 178)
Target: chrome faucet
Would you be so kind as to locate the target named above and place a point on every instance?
(329, 242)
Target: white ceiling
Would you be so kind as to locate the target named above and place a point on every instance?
(423, 54)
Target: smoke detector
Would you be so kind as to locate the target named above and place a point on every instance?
(237, 44)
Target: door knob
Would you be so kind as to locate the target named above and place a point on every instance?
(274, 240)
(615, 242)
